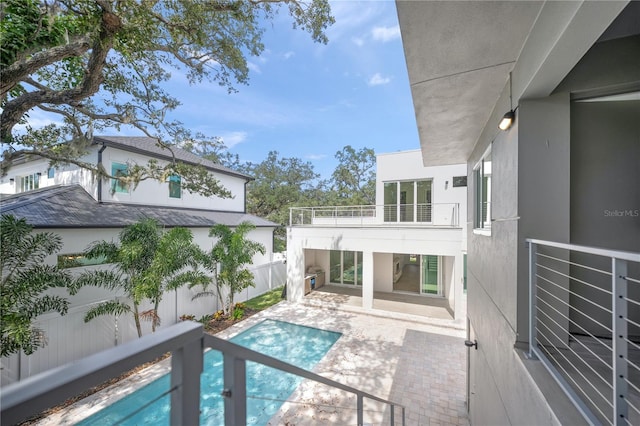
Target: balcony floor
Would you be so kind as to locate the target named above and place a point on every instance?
(420, 366)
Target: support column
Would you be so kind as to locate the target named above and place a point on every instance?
(367, 279)
(459, 308)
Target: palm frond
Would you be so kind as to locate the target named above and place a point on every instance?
(111, 307)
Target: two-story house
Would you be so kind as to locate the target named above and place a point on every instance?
(541, 99)
(409, 248)
(70, 202)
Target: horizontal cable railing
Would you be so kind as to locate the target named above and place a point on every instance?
(186, 341)
(584, 326)
(425, 214)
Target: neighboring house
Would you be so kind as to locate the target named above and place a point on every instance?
(69, 202)
(566, 173)
(411, 243)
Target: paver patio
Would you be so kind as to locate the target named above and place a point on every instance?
(413, 363)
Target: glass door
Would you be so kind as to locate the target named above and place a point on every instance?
(429, 282)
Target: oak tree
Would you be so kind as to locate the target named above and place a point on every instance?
(102, 64)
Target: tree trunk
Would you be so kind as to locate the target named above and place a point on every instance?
(155, 318)
(136, 317)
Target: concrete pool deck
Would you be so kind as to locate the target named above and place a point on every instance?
(413, 363)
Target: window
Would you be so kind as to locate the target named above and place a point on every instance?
(118, 170)
(346, 267)
(174, 186)
(51, 173)
(408, 201)
(482, 182)
(28, 183)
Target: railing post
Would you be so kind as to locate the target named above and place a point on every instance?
(235, 391)
(186, 367)
(533, 251)
(360, 410)
(620, 350)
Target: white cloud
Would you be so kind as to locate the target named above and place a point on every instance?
(315, 156)
(288, 54)
(358, 41)
(377, 79)
(232, 139)
(385, 34)
(254, 67)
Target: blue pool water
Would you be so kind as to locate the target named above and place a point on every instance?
(295, 344)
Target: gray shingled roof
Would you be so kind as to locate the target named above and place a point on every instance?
(70, 206)
(149, 146)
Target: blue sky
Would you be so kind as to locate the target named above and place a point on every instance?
(305, 99)
(309, 100)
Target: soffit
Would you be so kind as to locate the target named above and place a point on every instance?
(458, 56)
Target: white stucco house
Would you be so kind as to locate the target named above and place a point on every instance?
(410, 246)
(71, 203)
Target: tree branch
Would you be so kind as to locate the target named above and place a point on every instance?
(13, 74)
(16, 108)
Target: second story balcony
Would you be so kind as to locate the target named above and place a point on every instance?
(446, 215)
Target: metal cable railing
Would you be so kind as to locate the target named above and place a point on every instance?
(429, 214)
(584, 326)
(186, 341)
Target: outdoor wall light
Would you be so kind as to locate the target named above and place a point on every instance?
(507, 120)
(12, 180)
(39, 174)
(509, 117)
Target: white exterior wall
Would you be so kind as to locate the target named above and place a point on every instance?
(148, 192)
(407, 166)
(151, 192)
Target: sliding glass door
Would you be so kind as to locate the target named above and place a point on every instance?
(346, 267)
(430, 279)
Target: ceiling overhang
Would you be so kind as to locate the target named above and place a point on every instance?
(459, 55)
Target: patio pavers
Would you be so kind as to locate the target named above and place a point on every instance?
(414, 363)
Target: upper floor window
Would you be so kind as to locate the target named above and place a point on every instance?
(408, 201)
(28, 183)
(482, 182)
(175, 191)
(119, 170)
(51, 173)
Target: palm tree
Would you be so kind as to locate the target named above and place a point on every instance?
(231, 252)
(24, 279)
(148, 263)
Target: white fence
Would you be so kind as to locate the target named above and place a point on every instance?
(69, 338)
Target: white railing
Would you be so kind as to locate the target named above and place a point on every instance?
(584, 325)
(426, 214)
(186, 341)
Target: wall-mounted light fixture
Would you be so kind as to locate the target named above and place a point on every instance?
(39, 174)
(507, 120)
(510, 116)
(12, 180)
(446, 184)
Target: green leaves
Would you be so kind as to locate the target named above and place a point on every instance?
(232, 251)
(100, 65)
(25, 277)
(148, 262)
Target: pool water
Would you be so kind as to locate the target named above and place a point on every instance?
(298, 345)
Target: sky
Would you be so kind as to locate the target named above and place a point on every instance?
(309, 100)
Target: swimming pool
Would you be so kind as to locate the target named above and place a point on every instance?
(298, 345)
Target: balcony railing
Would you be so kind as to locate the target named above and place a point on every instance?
(186, 341)
(426, 214)
(584, 306)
